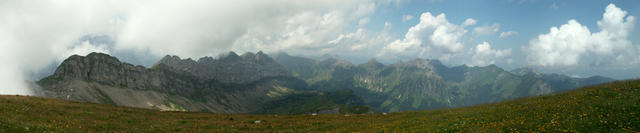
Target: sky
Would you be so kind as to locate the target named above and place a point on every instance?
(579, 38)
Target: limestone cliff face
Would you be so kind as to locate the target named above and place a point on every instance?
(107, 70)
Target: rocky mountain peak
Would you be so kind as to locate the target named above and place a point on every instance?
(230, 55)
(176, 62)
(206, 59)
(421, 63)
(100, 68)
(334, 62)
(259, 57)
(372, 64)
(78, 67)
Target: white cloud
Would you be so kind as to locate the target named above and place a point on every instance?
(569, 45)
(217, 26)
(487, 29)
(364, 21)
(484, 55)
(406, 18)
(433, 37)
(35, 33)
(507, 34)
(469, 22)
(361, 42)
(561, 46)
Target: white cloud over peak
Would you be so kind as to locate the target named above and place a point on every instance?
(212, 27)
(360, 43)
(484, 55)
(568, 45)
(83, 49)
(433, 37)
(507, 34)
(487, 29)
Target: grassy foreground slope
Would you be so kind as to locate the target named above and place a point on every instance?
(612, 107)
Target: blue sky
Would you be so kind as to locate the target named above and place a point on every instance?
(529, 18)
(553, 36)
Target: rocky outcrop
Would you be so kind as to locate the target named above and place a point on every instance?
(107, 70)
(101, 78)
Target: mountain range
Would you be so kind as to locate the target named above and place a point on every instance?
(285, 84)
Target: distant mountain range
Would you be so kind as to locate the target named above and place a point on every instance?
(284, 84)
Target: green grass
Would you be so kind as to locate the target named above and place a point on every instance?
(612, 107)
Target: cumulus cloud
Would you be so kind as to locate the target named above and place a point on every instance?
(469, 22)
(433, 37)
(507, 34)
(406, 18)
(360, 43)
(487, 29)
(569, 45)
(561, 46)
(84, 48)
(42, 32)
(484, 55)
(209, 27)
(36, 33)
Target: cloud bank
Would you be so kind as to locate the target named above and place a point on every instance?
(573, 43)
(484, 55)
(433, 37)
(406, 18)
(44, 32)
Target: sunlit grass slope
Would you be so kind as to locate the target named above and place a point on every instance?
(612, 107)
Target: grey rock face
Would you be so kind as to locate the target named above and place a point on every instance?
(107, 70)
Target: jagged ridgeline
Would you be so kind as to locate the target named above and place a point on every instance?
(426, 84)
(257, 83)
(250, 83)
